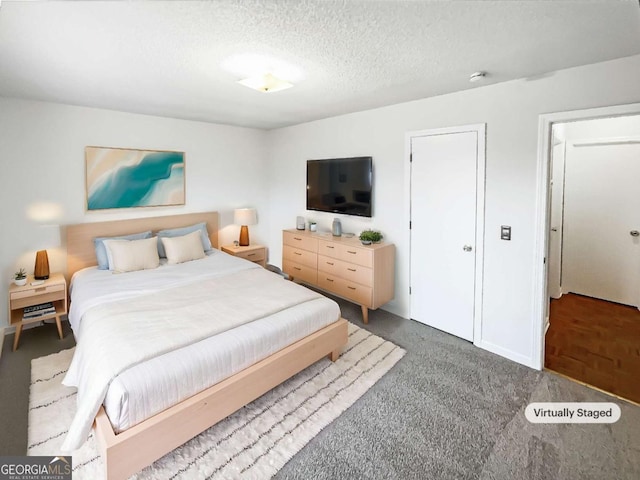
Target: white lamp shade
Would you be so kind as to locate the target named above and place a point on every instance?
(245, 216)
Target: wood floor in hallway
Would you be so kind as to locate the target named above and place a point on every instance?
(596, 342)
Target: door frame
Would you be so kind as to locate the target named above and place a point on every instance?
(480, 130)
(542, 217)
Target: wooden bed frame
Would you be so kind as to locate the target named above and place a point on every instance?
(137, 447)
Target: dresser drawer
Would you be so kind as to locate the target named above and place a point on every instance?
(252, 255)
(300, 241)
(348, 253)
(360, 294)
(298, 255)
(37, 291)
(300, 272)
(346, 270)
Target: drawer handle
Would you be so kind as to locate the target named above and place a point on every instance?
(351, 269)
(329, 263)
(296, 238)
(353, 253)
(330, 246)
(41, 289)
(351, 288)
(251, 254)
(328, 279)
(297, 253)
(297, 268)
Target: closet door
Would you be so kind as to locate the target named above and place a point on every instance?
(444, 215)
(601, 243)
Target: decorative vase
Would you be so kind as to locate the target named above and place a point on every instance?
(336, 228)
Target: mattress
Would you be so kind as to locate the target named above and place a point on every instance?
(159, 383)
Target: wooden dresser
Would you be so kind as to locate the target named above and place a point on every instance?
(342, 266)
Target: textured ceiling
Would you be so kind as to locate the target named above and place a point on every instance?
(164, 58)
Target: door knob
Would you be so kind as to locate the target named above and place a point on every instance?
(634, 233)
(467, 248)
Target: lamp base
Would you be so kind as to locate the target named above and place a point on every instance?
(244, 236)
(41, 269)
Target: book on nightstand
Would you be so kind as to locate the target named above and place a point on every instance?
(36, 311)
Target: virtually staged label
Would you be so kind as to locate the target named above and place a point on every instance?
(572, 412)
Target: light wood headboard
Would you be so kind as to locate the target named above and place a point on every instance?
(80, 250)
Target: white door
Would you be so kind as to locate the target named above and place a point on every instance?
(601, 246)
(444, 210)
(555, 234)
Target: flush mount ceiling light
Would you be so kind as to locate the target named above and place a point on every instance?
(266, 83)
(261, 72)
(477, 76)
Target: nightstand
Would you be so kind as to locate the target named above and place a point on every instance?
(253, 253)
(53, 290)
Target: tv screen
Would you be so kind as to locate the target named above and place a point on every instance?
(340, 185)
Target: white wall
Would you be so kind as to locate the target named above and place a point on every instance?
(602, 129)
(42, 179)
(511, 112)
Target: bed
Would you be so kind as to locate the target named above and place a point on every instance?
(263, 357)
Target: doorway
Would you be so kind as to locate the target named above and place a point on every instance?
(592, 322)
(446, 228)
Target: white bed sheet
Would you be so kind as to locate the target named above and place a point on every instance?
(151, 387)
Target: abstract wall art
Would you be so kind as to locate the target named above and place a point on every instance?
(126, 178)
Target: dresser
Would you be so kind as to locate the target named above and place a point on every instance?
(363, 274)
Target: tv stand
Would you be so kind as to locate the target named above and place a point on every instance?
(363, 274)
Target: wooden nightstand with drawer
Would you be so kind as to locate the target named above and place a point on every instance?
(253, 253)
(53, 290)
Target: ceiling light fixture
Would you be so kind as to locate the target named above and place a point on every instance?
(263, 72)
(477, 76)
(266, 83)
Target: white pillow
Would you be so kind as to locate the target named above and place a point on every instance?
(132, 255)
(183, 249)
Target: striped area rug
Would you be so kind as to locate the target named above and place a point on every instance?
(253, 443)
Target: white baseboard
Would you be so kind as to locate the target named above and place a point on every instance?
(506, 353)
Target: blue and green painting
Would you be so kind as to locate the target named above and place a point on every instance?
(121, 178)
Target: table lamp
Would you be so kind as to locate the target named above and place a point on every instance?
(244, 217)
(49, 237)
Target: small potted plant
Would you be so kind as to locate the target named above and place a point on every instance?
(370, 236)
(20, 277)
(313, 226)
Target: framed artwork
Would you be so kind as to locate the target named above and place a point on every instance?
(127, 178)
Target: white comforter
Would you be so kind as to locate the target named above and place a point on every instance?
(127, 324)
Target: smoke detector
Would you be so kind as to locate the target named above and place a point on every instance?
(477, 76)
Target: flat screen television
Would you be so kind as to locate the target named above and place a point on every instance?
(340, 185)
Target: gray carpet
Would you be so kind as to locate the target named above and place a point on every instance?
(449, 410)
(446, 410)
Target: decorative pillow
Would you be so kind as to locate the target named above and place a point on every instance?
(183, 249)
(180, 232)
(101, 253)
(132, 255)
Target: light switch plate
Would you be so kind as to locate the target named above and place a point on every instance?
(505, 232)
